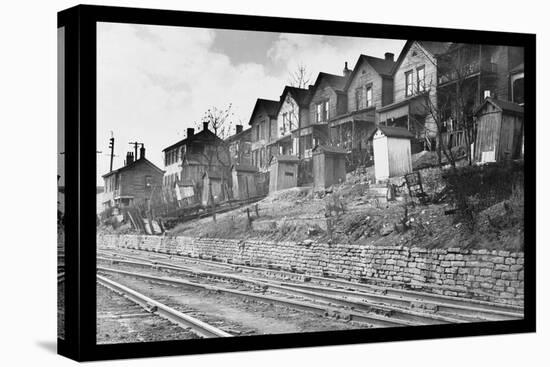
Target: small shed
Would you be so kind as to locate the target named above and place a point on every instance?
(185, 192)
(244, 179)
(283, 172)
(212, 188)
(499, 131)
(392, 152)
(329, 166)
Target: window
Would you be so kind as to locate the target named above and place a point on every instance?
(148, 182)
(359, 98)
(285, 119)
(420, 79)
(322, 112)
(369, 96)
(486, 93)
(408, 83)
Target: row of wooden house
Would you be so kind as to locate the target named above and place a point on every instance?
(413, 97)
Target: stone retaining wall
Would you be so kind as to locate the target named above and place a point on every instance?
(491, 275)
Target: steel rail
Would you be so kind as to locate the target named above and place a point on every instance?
(372, 319)
(448, 301)
(384, 304)
(199, 327)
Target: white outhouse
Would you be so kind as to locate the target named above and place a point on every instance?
(392, 152)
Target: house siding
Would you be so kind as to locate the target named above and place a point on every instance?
(365, 75)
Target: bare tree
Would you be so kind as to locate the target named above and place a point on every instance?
(450, 108)
(300, 78)
(219, 120)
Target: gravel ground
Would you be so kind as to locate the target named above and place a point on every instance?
(119, 320)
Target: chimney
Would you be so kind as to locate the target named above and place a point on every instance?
(142, 152)
(190, 132)
(239, 128)
(388, 56)
(347, 71)
(205, 125)
(129, 158)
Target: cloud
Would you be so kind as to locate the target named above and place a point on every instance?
(155, 81)
(325, 53)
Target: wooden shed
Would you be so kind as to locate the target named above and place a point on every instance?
(244, 179)
(392, 152)
(329, 166)
(212, 188)
(185, 192)
(283, 172)
(499, 131)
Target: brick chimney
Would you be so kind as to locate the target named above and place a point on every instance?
(239, 128)
(142, 152)
(129, 158)
(190, 132)
(389, 56)
(205, 125)
(346, 71)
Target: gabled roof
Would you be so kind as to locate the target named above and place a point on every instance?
(269, 106)
(244, 168)
(133, 164)
(329, 149)
(517, 69)
(300, 95)
(382, 66)
(336, 82)
(203, 136)
(501, 105)
(394, 132)
(285, 158)
(245, 134)
(433, 48)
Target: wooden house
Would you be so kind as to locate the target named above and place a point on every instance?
(134, 183)
(414, 91)
(499, 131)
(244, 181)
(329, 166)
(292, 122)
(189, 158)
(368, 87)
(263, 122)
(474, 72)
(283, 172)
(392, 152)
(239, 146)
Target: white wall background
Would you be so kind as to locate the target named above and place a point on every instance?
(28, 139)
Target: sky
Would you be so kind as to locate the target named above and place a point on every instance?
(153, 82)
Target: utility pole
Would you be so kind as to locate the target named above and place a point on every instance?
(112, 146)
(135, 144)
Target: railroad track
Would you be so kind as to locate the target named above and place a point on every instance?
(372, 319)
(439, 307)
(199, 327)
(399, 307)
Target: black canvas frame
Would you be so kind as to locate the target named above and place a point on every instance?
(80, 162)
